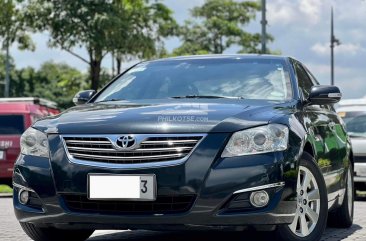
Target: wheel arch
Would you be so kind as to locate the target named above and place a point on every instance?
(309, 149)
(351, 159)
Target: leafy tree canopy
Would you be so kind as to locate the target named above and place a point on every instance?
(58, 82)
(217, 25)
(101, 26)
(12, 26)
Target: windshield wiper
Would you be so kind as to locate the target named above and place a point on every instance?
(109, 100)
(205, 97)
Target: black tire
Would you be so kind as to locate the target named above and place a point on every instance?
(342, 217)
(283, 232)
(54, 234)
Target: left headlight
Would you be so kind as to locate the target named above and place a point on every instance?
(263, 139)
(34, 143)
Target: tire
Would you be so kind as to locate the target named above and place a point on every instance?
(54, 234)
(312, 205)
(342, 217)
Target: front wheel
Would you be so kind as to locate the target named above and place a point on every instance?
(54, 234)
(312, 204)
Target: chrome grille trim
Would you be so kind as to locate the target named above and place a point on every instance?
(180, 141)
(92, 142)
(127, 158)
(151, 150)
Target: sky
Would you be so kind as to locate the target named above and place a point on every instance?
(301, 29)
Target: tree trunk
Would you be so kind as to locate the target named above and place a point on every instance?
(95, 67)
(119, 64)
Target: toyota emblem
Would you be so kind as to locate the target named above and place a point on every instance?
(126, 142)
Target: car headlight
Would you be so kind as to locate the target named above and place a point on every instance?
(34, 143)
(269, 138)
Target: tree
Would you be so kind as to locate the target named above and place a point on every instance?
(219, 25)
(141, 38)
(74, 24)
(100, 26)
(12, 29)
(54, 81)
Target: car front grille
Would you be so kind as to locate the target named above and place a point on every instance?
(162, 205)
(149, 149)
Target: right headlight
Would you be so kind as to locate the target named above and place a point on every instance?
(263, 139)
(34, 142)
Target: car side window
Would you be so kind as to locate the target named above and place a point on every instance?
(313, 79)
(304, 81)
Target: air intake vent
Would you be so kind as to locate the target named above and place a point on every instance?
(163, 204)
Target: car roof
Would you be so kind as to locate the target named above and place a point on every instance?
(222, 56)
(17, 107)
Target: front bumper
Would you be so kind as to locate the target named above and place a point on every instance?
(212, 180)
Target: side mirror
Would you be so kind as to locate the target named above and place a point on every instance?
(324, 94)
(83, 96)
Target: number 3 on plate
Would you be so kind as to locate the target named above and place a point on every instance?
(144, 186)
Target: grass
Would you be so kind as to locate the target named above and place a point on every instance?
(5, 189)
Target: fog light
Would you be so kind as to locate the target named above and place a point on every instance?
(23, 196)
(259, 198)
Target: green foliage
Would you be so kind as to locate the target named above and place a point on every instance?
(62, 83)
(71, 24)
(219, 25)
(5, 189)
(12, 27)
(123, 27)
(54, 81)
(141, 36)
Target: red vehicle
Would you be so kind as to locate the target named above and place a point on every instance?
(16, 115)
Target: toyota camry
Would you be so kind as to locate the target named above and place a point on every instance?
(227, 142)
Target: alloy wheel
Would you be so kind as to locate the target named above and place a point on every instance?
(308, 204)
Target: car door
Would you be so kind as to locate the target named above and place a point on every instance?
(320, 123)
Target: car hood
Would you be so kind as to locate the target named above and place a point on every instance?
(163, 116)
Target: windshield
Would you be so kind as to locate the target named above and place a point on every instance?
(234, 78)
(11, 124)
(355, 123)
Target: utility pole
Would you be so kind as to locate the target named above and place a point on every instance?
(264, 23)
(333, 42)
(7, 68)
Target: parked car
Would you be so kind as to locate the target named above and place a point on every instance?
(353, 112)
(16, 115)
(200, 142)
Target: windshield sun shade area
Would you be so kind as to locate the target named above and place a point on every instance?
(236, 78)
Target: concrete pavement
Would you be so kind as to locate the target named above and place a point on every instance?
(10, 230)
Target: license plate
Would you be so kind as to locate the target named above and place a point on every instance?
(2, 155)
(122, 187)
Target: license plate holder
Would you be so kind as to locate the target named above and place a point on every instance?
(125, 187)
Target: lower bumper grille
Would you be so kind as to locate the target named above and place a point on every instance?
(162, 205)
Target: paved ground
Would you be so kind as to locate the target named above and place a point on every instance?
(11, 231)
